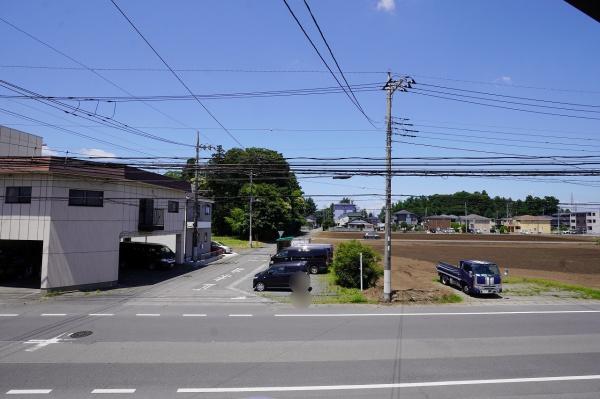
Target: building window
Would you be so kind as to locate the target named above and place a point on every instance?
(205, 237)
(173, 207)
(18, 195)
(86, 198)
(207, 210)
(589, 227)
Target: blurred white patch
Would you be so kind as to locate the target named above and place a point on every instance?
(504, 79)
(46, 151)
(386, 5)
(96, 152)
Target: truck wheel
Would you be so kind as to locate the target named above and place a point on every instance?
(443, 279)
(314, 270)
(466, 289)
(260, 287)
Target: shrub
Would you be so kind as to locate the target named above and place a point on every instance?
(346, 265)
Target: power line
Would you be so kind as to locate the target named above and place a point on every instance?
(332, 55)
(507, 96)
(502, 107)
(509, 101)
(86, 67)
(356, 103)
(175, 74)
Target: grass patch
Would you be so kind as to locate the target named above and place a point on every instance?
(336, 294)
(449, 298)
(235, 242)
(540, 285)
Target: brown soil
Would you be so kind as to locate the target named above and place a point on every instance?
(573, 261)
(453, 237)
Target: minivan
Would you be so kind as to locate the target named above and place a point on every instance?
(283, 275)
(147, 255)
(317, 259)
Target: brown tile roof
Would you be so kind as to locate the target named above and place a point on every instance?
(83, 168)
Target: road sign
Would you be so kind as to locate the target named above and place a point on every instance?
(280, 233)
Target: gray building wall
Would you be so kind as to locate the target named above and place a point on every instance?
(15, 143)
(81, 244)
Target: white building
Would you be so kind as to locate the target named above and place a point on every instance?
(477, 223)
(75, 213)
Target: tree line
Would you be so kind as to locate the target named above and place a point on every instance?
(479, 203)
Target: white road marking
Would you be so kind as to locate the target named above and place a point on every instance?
(240, 315)
(148, 314)
(42, 343)
(8, 314)
(28, 391)
(237, 270)
(194, 315)
(388, 386)
(239, 297)
(101, 314)
(204, 287)
(53, 314)
(114, 390)
(222, 277)
(433, 314)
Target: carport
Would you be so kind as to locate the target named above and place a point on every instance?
(20, 263)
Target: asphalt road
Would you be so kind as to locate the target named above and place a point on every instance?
(206, 335)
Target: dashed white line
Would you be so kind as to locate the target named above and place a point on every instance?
(8, 314)
(434, 314)
(240, 315)
(194, 315)
(388, 386)
(53, 314)
(101, 314)
(28, 391)
(148, 314)
(114, 390)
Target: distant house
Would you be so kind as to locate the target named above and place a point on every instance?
(528, 224)
(374, 220)
(341, 209)
(360, 224)
(439, 222)
(406, 217)
(476, 223)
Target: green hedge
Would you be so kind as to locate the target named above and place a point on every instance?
(346, 265)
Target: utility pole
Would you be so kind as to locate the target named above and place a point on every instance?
(250, 216)
(196, 202)
(390, 87)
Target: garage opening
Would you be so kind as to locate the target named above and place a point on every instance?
(148, 260)
(20, 263)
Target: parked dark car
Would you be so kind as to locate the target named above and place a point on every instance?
(327, 247)
(284, 275)
(224, 247)
(145, 255)
(216, 249)
(316, 258)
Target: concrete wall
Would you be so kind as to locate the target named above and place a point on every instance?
(14, 143)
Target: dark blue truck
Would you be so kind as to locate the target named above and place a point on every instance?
(472, 276)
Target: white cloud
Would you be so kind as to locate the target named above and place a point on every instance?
(47, 152)
(504, 79)
(96, 152)
(386, 5)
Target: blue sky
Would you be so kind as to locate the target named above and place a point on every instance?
(499, 46)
